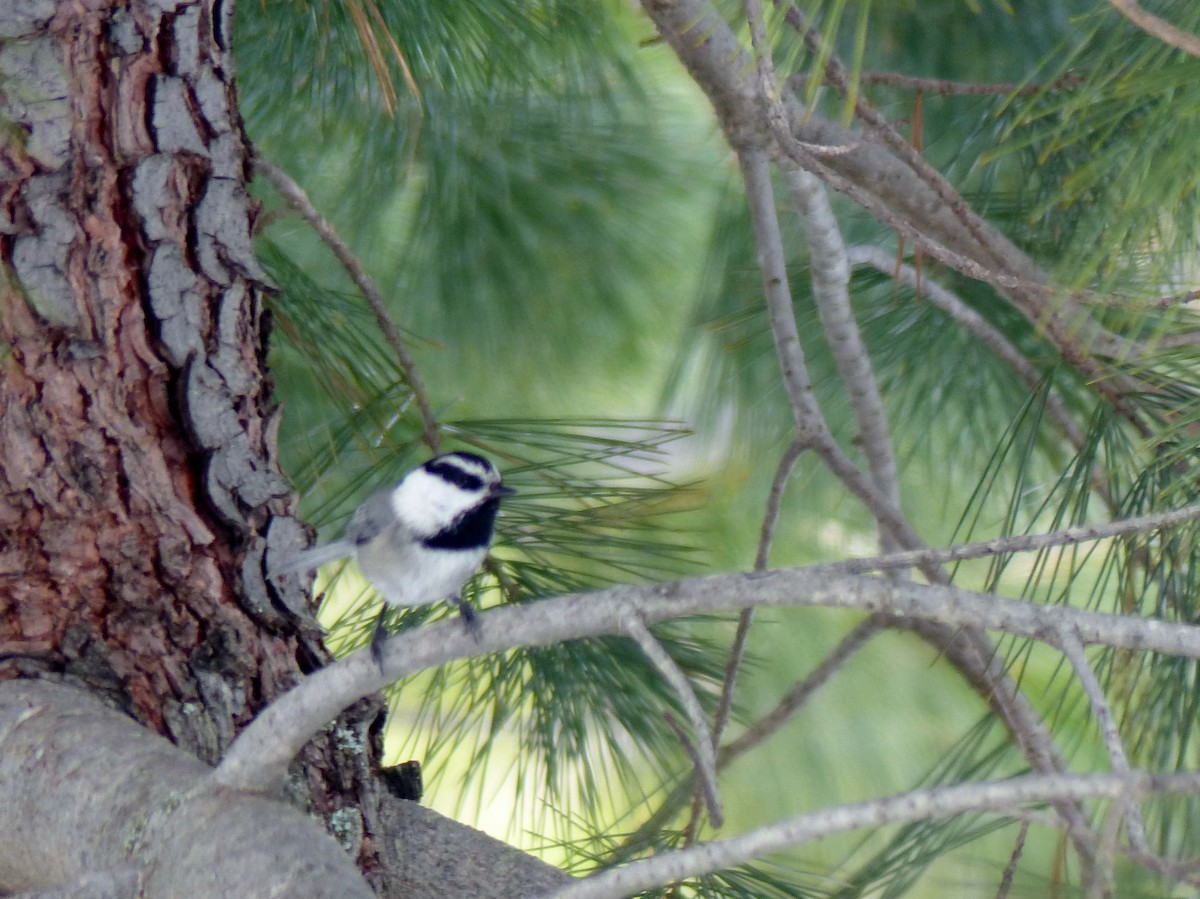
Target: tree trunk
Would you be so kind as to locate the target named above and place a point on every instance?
(140, 492)
(139, 485)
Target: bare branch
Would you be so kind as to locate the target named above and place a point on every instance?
(831, 290)
(1019, 543)
(738, 650)
(767, 534)
(770, 518)
(259, 757)
(296, 197)
(783, 473)
(1010, 869)
(1072, 649)
(968, 650)
(810, 426)
(765, 727)
(706, 769)
(803, 691)
(1001, 797)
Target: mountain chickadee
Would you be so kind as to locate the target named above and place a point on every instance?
(419, 541)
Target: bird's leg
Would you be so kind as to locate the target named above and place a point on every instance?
(470, 619)
(379, 637)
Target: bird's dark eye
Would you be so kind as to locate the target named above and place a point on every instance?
(448, 471)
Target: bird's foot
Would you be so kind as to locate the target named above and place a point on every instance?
(378, 638)
(470, 619)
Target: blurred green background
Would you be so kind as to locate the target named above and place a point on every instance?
(542, 195)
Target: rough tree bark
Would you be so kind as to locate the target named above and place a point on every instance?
(139, 486)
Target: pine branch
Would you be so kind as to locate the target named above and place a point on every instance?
(831, 290)
(941, 86)
(893, 184)
(261, 754)
(996, 797)
(969, 650)
(972, 322)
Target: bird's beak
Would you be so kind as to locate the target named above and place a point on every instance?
(502, 490)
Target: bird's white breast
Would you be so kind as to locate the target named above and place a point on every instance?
(409, 574)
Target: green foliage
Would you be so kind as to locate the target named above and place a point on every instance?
(444, 196)
(1117, 140)
(542, 202)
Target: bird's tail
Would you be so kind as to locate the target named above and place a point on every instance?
(312, 559)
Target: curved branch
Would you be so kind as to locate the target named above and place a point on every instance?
(831, 288)
(1106, 722)
(259, 757)
(998, 796)
(702, 738)
(86, 790)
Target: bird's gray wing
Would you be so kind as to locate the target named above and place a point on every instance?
(370, 518)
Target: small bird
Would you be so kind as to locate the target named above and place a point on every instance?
(419, 541)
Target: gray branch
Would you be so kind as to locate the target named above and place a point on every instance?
(1106, 723)
(85, 789)
(703, 749)
(1000, 797)
(260, 756)
(892, 186)
(97, 806)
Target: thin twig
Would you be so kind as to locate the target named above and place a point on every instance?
(1098, 875)
(778, 295)
(1159, 28)
(1184, 870)
(1001, 796)
(944, 87)
(783, 472)
(831, 290)
(704, 756)
(803, 691)
(759, 732)
(738, 650)
(770, 519)
(1010, 869)
(1153, 521)
(296, 197)
(1106, 723)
